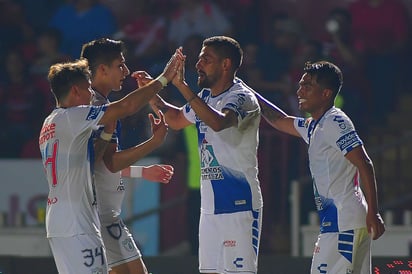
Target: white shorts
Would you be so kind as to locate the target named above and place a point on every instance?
(229, 243)
(343, 253)
(120, 245)
(81, 254)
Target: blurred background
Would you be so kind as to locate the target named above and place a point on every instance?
(370, 40)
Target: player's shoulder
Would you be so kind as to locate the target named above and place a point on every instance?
(241, 86)
(335, 118)
(241, 89)
(303, 122)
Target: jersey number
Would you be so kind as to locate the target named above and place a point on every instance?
(51, 160)
(89, 257)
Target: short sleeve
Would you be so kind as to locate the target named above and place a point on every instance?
(302, 126)
(85, 117)
(341, 133)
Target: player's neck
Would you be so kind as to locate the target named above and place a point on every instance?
(320, 112)
(101, 89)
(220, 88)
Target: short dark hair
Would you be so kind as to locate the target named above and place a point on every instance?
(226, 47)
(327, 74)
(102, 51)
(62, 76)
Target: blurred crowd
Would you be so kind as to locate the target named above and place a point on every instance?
(368, 39)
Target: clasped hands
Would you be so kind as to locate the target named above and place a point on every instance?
(173, 71)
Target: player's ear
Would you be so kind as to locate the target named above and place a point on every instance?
(327, 93)
(75, 91)
(102, 68)
(227, 64)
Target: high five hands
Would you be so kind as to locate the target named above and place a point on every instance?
(174, 71)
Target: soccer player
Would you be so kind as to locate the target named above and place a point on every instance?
(344, 180)
(72, 223)
(108, 68)
(227, 115)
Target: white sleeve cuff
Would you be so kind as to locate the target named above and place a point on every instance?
(136, 171)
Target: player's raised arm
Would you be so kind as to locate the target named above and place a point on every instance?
(173, 114)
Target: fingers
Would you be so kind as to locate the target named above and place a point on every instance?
(157, 121)
(172, 66)
(142, 78)
(168, 167)
(151, 118)
(162, 173)
(376, 228)
(162, 117)
(141, 74)
(166, 176)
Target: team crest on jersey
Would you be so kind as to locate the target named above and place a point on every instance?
(210, 168)
(128, 244)
(341, 123)
(115, 230)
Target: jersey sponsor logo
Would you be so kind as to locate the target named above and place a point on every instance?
(324, 224)
(347, 140)
(214, 173)
(238, 262)
(210, 169)
(52, 201)
(323, 268)
(121, 187)
(47, 132)
(94, 112)
(240, 202)
(229, 243)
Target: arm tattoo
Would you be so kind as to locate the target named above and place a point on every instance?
(271, 113)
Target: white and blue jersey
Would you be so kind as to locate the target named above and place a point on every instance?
(67, 151)
(110, 191)
(229, 169)
(338, 197)
(110, 188)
